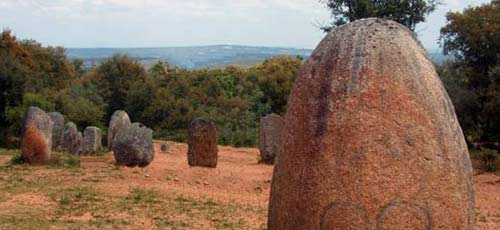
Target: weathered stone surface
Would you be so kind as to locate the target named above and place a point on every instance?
(92, 140)
(371, 139)
(202, 142)
(57, 130)
(270, 137)
(133, 146)
(36, 141)
(72, 139)
(119, 121)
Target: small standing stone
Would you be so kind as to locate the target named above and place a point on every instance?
(270, 137)
(202, 141)
(57, 130)
(92, 140)
(133, 146)
(119, 121)
(36, 140)
(72, 138)
(164, 147)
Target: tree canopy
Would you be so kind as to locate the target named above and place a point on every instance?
(164, 97)
(408, 13)
(473, 38)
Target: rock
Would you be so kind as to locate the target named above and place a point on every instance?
(36, 138)
(92, 140)
(72, 138)
(270, 137)
(119, 120)
(371, 139)
(57, 130)
(133, 146)
(202, 142)
(164, 147)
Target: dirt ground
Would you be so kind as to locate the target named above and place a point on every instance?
(166, 195)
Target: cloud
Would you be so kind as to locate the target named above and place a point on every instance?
(457, 5)
(69, 8)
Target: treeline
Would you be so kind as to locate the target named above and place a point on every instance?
(473, 78)
(163, 97)
(167, 98)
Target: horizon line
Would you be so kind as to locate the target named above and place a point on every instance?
(185, 46)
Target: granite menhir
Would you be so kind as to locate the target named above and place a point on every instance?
(270, 137)
(371, 139)
(36, 137)
(202, 144)
(72, 138)
(57, 130)
(119, 121)
(133, 146)
(92, 140)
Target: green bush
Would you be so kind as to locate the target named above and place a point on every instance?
(17, 158)
(489, 160)
(15, 115)
(64, 161)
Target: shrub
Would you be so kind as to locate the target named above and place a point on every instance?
(489, 160)
(64, 161)
(17, 159)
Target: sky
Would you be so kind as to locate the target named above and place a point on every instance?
(166, 23)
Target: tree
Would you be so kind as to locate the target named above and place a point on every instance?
(29, 70)
(408, 13)
(466, 101)
(473, 37)
(15, 114)
(275, 78)
(114, 79)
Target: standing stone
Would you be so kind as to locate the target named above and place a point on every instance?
(371, 139)
(92, 140)
(119, 120)
(164, 147)
(57, 130)
(36, 143)
(202, 142)
(270, 137)
(72, 138)
(133, 146)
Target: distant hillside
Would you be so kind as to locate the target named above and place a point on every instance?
(189, 57)
(198, 56)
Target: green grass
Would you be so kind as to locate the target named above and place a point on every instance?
(17, 158)
(73, 194)
(8, 152)
(64, 161)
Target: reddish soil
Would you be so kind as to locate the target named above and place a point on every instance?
(487, 187)
(238, 179)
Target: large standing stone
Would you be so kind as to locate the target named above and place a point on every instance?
(133, 146)
(270, 137)
(92, 140)
(119, 121)
(57, 130)
(371, 139)
(72, 138)
(202, 142)
(36, 140)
